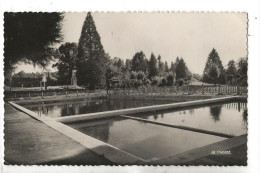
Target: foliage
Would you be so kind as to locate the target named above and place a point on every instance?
(160, 66)
(29, 37)
(32, 79)
(196, 77)
(163, 82)
(127, 66)
(214, 70)
(242, 71)
(166, 68)
(92, 61)
(181, 70)
(119, 64)
(133, 75)
(152, 65)
(110, 73)
(174, 65)
(67, 60)
(139, 62)
(170, 79)
(140, 76)
(181, 82)
(154, 81)
(231, 72)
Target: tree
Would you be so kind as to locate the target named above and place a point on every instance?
(152, 67)
(92, 61)
(110, 73)
(172, 69)
(139, 62)
(133, 75)
(213, 66)
(242, 71)
(166, 68)
(160, 66)
(196, 77)
(181, 70)
(29, 37)
(67, 60)
(213, 73)
(140, 77)
(118, 63)
(127, 67)
(170, 79)
(231, 72)
(174, 65)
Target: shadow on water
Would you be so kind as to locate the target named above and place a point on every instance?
(215, 112)
(245, 117)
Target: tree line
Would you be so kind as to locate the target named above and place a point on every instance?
(215, 73)
(95, 68)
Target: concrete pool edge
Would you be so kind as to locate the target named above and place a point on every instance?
(197, 153)
(108, 151)
(82, 117)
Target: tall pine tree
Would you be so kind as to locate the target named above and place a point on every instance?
(214, 70)
(92, 61)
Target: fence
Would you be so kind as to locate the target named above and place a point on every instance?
(220, 90)
(27, 95)
(151, 90)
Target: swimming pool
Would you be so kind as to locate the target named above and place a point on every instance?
(151, 129)
(229, 118)
(151, 141)
(147, 141)
(84, 106)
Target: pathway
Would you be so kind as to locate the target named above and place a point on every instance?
(29, 142)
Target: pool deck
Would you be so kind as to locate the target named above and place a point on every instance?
(29, 141)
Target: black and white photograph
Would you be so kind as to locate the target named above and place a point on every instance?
(125, 88)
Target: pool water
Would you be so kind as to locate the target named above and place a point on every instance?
(147, 141)
(150, 141)
(85, 106)
(228, 118)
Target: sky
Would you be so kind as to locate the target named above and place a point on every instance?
(188, 35)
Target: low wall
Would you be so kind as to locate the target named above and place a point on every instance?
(82, 117)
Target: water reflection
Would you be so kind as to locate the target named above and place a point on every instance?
(155, 116)
(141, 138)
(230, 118)
(215, 112)
(91, 106)
(245, 117)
